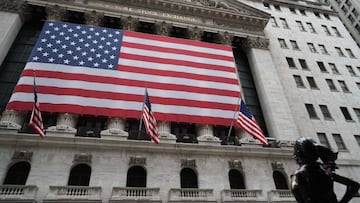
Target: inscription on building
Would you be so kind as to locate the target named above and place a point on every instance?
(148, 12)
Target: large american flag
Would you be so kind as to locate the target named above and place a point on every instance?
(36, 122)
(93, 70)
(247, 122)
(149, 120)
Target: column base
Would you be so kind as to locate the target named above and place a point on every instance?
(9, 125)
(114, 133)
(209, 140)
(61, 131)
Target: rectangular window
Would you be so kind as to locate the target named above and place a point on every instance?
(344, 8)
(312, 47)
(312, 82)
(346, 113)
(357, 112)
(311, 27)
(325, 111)
(323, 49)
(343, 86)
(294, 45)
(282, 43)
(336, 31)
(277, 7)
(273, 22)
(333, 68)
(327, 16)
(311, 111)
(323, 139)
(266, 5)
(351, 18)
(331, 84)
(358, 85)
(348, 3)
(321, 66)
(355, 12)
(339, 51)
(300, 26)
(292, 10)
(357, 138)
(317, 14)
(303, 64)
(350, 53)
(351, 70)
(284, 23)
(290, 62)
(326, 30)
(339, 142)
(298, 81)
(302, 11)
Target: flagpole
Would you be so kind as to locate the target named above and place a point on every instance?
(142, 110)
(232, 121)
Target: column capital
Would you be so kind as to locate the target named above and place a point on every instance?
(255, 42)
(130, 23)
(226, 38)
(196, 33)
(93, 18)
(163, 28)
(14, 7)
(55, 13)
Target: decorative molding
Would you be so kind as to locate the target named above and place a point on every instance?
(235, 164)
(196, 33)
(55, 12)
(12, 119)
(255, 42)
(188, 163)
(163, 28)
(130, 23)
(82, 158)
(226, 38)
(22, 155)
(277, 166)
(137, 160)
(13, 6)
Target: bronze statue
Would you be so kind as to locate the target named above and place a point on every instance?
(313, 182)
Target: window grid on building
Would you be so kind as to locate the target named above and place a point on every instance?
(351, 70)
(323, 49)
(323, 139)
(331, 84)
(325, 111)
(357, 138)
(311, 111)
(339, 51)
(312, 82)
(298, 81)
(346, 113)
(343, 86)
(336, 31)
(294, 45)
(321, 66)
(339, 142)
(334, 68)
(357, 113)
(311, 47)
(303, 64)
(300, 26)
(282, 43)
(311, 27)
(291, 63)
(350, 53)
(284, 23)
(273, 22)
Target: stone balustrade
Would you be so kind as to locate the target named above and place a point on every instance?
(135, 193)
(18, 192)
(281, 196)
(239, 195)
(74, 193)
(193, 194)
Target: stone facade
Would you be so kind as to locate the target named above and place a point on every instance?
(242, 23)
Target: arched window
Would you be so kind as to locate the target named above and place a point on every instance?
(236, 179)
(136, 177)
(188, 178)
(280, 181)
(80, 175)
(17, 174)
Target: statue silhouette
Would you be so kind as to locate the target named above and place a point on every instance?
(314, 181)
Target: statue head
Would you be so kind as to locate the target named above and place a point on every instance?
(305, 151)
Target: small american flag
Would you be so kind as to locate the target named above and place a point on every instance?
(248, 123)
(149, 120)
(36, 122)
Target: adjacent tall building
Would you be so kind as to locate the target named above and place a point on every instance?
(299, 73)
(349, 13)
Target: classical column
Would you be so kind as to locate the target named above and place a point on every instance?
(93, 18)
(196, 33)
(205, 134)
(165, 131)
(130, 23)
(65, 122)
(11, 20)
(12, 119)
(55, 13)
(115, 128)
(269, 88)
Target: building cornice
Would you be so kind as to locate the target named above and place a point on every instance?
(307, 5)
(231, 16)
